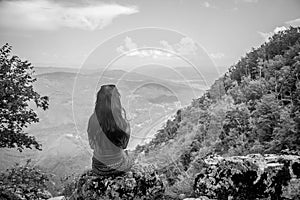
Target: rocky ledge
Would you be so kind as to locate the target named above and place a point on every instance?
(139, 183)
(249, 177)
(255, 176)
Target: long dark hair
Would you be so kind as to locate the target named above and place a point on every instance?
(109, 112)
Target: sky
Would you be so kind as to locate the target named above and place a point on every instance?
(67, 33)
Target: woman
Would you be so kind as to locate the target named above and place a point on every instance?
(109, 133)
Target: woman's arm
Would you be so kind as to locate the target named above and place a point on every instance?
(128, 129)
(127, 135)
(91, 132)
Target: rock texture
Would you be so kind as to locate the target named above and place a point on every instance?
(249, 177)
(136, 184)
(268, 177)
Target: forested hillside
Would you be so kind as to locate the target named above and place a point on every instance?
(253, 108)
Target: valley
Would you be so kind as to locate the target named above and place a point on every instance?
(148, 101)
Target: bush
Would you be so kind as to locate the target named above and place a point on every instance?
(23, 182)
(69, 185)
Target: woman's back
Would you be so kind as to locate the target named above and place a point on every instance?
(109, 133)
(104, 150)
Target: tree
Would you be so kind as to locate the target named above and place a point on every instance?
(236, 130)
(16, 92)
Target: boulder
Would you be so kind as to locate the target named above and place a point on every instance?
(135, 184)
(249, 177)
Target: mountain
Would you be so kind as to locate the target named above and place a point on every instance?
(253, 108)
(201, 77)
(229, 142)
(44, 70)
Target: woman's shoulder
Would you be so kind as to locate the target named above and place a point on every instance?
(93, 119)
(93, 116)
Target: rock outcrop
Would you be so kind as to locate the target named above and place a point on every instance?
(249, 177)
(135, 184)
(268, 177)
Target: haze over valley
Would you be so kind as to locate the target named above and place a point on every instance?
(149, 101)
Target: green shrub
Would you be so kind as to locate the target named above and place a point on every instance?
(24, 182)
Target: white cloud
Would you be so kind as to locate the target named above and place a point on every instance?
(295, 22)
(49, 15)
(266, 36)
(154, 53)
(217, 55)
(167, 46)
(186, 46)
(128, 45)
(130, 48)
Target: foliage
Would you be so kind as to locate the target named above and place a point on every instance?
(253, 108)
(24, 182)
(16, 91)
(68, 185)
(167, 133)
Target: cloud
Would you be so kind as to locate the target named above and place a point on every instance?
(266, 36)
(295, 22)
(186, 46)
(129, 47)
(154, 53)
(167, 46)
(49, 15)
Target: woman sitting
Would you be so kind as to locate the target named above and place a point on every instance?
(109, 133)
